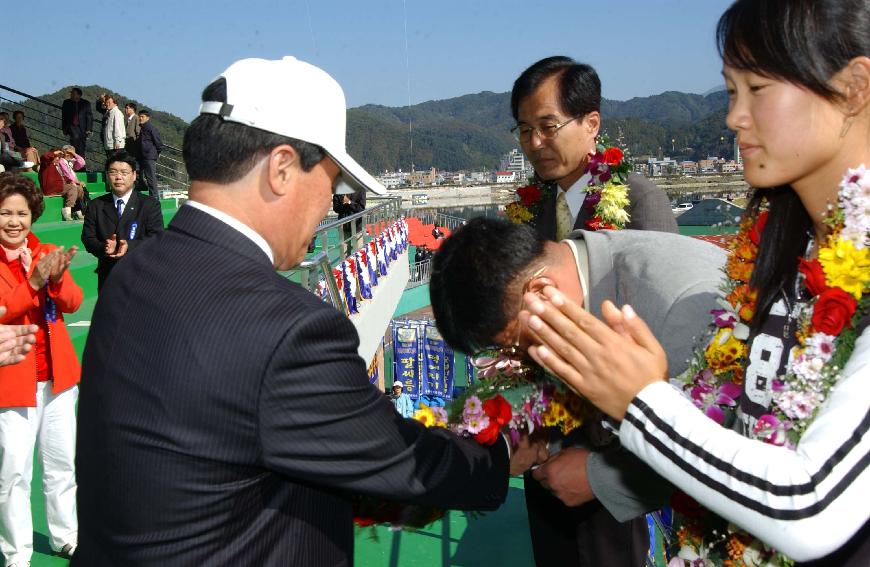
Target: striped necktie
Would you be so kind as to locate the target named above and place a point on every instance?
(564, 218)
(120, 205)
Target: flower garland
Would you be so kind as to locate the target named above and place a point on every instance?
(839, 281)
(606, 194)
(510, 395)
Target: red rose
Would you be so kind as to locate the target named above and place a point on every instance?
(833, 311)
(488, 435)
(758, 228)
(814, 276)
(597, 223)
(612, 156)
(498, 410)
(529, 195)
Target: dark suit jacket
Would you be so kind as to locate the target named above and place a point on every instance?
(648, 209)
(225, 415)
(101, 222)
(69, 110)
(150, 144)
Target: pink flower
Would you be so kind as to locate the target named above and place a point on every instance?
(477, 424)
(770, 430)
(707, 397)
(724, 318)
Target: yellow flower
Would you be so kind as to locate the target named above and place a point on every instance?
(724, 352)
(425, 416)
(845, 266)
(517, 213)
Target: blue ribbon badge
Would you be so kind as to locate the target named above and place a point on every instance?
(133, 228)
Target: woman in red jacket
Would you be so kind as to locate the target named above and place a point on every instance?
(37, 395)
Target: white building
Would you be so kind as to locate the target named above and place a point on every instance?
(505, 176)
(515, 161)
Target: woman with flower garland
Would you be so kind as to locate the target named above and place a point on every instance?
(790, 345)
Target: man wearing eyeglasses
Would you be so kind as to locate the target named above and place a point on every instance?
(556, 103)
(582, 503)
(118, 222)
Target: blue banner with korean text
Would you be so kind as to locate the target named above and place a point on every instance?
(434, 356)
(406, 351)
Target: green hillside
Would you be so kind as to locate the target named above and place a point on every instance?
(471, 131)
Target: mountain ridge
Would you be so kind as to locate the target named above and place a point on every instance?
(472, 131)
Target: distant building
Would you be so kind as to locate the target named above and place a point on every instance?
(664, 166)
(689, 167)
(480, 177)
(505, 176)
(392, 179)
(708, 165)
(515, 161)
(642, 168)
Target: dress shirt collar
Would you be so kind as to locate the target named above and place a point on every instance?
(576, 194)
(235, 223)
(581, 260)
(125, 197)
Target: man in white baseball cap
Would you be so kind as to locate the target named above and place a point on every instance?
(224, 413)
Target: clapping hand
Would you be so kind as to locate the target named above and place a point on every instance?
(609, 362)
(15, 341)
(51, 266)
(115, 248)
(62, 263)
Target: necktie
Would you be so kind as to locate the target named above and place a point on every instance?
(120, 205)
(564, 219)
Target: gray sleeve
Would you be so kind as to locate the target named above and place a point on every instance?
(624, 485)
(649, 207)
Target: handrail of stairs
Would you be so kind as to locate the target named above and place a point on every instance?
(171, 172)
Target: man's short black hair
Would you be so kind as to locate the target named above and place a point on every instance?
(131, 105)
(579, 85)
(76, 90)
(471, 275)
(122, 157)
(220, 151)
(144, 112)
(16, 113)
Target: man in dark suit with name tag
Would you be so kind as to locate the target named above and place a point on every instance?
(116, 223)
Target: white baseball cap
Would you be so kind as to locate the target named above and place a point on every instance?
(293, 98)
(398, 384)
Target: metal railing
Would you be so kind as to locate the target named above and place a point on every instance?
(440, 219)
(45, 132)
(421, 273)
(333, 245)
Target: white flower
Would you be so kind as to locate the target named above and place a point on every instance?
(821, 346)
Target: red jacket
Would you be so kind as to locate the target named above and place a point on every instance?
(25, 306)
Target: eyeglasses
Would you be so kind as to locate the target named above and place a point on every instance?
(507, 360)
(523, 133)
(114, 172)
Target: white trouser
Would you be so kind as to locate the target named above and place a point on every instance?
(51, 426)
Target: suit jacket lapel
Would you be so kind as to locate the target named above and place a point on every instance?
(545, 223)
(128, 215)
(602, 280)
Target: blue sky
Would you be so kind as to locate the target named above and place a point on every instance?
(163, 53)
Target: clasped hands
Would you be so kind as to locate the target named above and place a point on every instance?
(563, 474)
(115, 248)
(51, 266)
